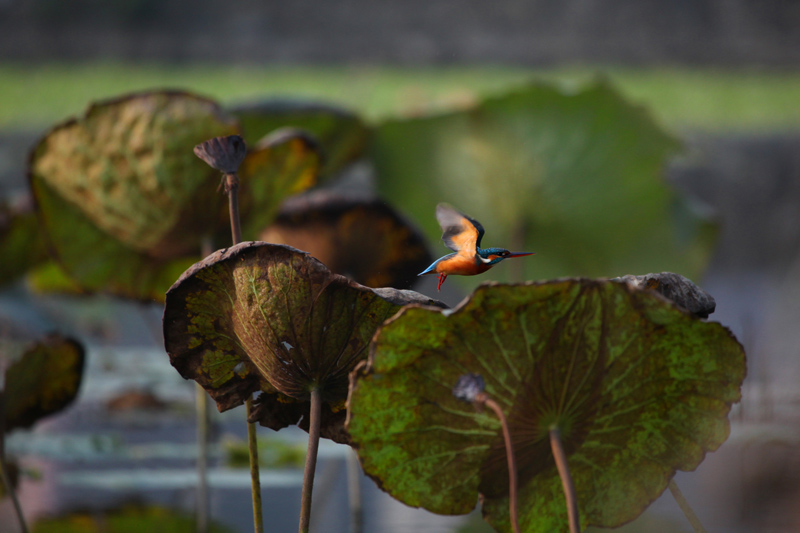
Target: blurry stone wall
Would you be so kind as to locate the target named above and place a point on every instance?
(536, 32)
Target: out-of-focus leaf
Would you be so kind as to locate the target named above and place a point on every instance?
(360, 237)
(342, 134)
(267, 317)
(121, 196)
(49, 277)
(43, 381)
(574, 176)
(284, 163)
(638, 387)
(21, 244)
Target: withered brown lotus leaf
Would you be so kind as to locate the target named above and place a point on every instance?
(268, 317)
(355, 235)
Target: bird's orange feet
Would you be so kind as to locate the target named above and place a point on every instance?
(442, 277)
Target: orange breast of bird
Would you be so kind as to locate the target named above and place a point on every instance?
(461, 265)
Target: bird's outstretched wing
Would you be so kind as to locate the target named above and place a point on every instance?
(460, 233)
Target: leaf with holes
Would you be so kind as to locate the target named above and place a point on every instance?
(638, 387)
(122, 198)
(360, 237)
(267, 317)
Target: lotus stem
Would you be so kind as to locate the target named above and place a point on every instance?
(311, 458)
(201, 414)
(684, 505)
(255, 474)
(203, 419)
(4, 477)
(232, 188)
(484, 399)
(566, 479)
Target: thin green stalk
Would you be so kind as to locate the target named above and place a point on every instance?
(566, 479)
(684, 505)
(311, 458)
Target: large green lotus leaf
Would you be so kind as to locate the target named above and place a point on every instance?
(21, 244)
(121, 196)
(270, 317)
(284, 163)
(358, 236)
(639, 388)
(574, 176)
(43, 381)
(342, 134)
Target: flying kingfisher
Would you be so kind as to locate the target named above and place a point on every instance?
(463, 235)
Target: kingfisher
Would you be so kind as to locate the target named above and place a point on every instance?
(463, 235)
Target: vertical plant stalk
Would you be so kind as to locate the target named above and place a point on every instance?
(203, 420)
(201, 414)
(4, 477)
(311, 458)
(566, 479)
(484, 399)
(226, 154)
(232, 190)
(255, 474)
(684, 505)
(471, 388)
(231, 182)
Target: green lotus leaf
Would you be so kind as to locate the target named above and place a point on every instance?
(43, 381)
(342, 134)
(638, 387)
(21, 244)
(575, 176)
(122, 198)
(267, 317)
(284, 163)
(357, 236)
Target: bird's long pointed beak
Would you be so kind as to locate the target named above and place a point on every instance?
(519, 254)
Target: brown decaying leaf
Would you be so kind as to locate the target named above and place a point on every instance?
(356, 235)
(267, 317)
